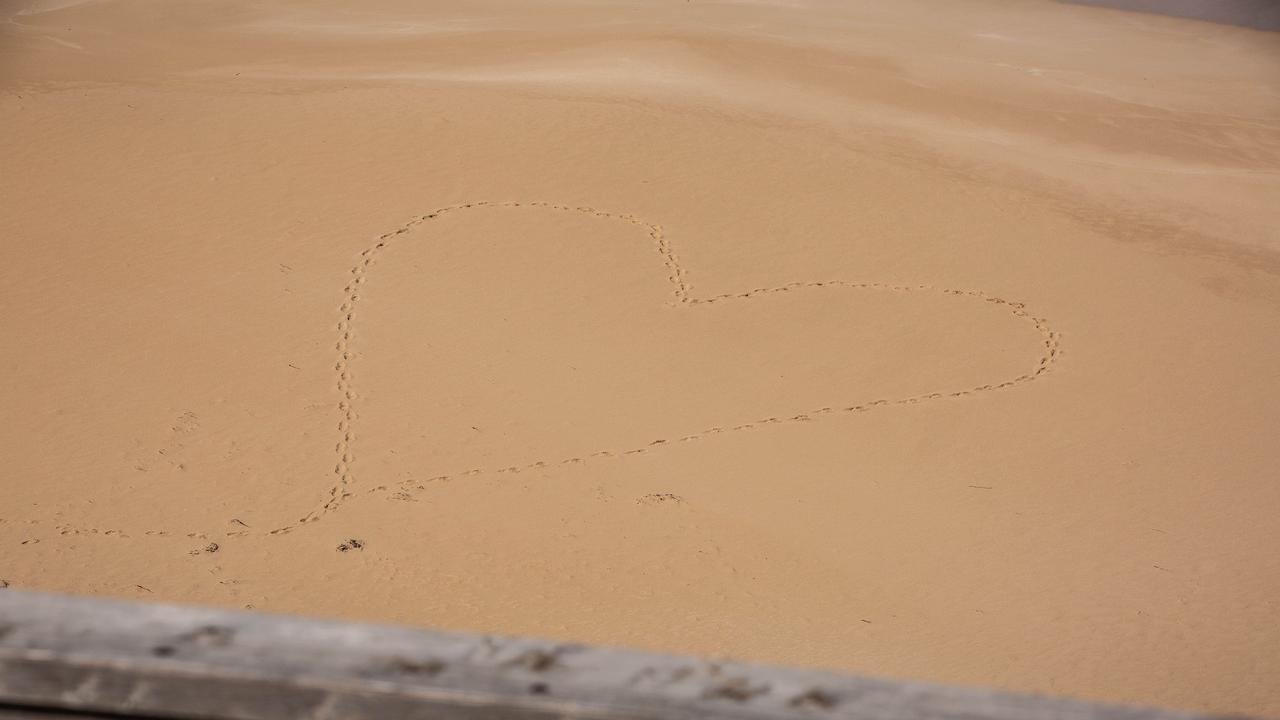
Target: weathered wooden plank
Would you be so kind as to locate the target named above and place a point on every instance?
(12, 713)
(142, 659)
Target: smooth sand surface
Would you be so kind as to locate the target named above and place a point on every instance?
(920, 339)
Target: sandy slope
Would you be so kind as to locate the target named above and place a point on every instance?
(927, 339)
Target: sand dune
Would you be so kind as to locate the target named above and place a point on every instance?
(918, 339)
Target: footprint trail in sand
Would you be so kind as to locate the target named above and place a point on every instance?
(344, 474)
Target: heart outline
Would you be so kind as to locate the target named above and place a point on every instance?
(676, 275)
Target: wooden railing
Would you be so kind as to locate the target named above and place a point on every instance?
(78, 657)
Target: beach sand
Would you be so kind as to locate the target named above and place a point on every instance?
(923, 339)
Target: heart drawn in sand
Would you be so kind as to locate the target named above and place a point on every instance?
(566, 371)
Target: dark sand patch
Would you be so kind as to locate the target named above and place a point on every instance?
(1257, 14)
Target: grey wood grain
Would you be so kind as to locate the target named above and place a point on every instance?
(153, 660)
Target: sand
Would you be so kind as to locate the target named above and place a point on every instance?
(921, 339)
